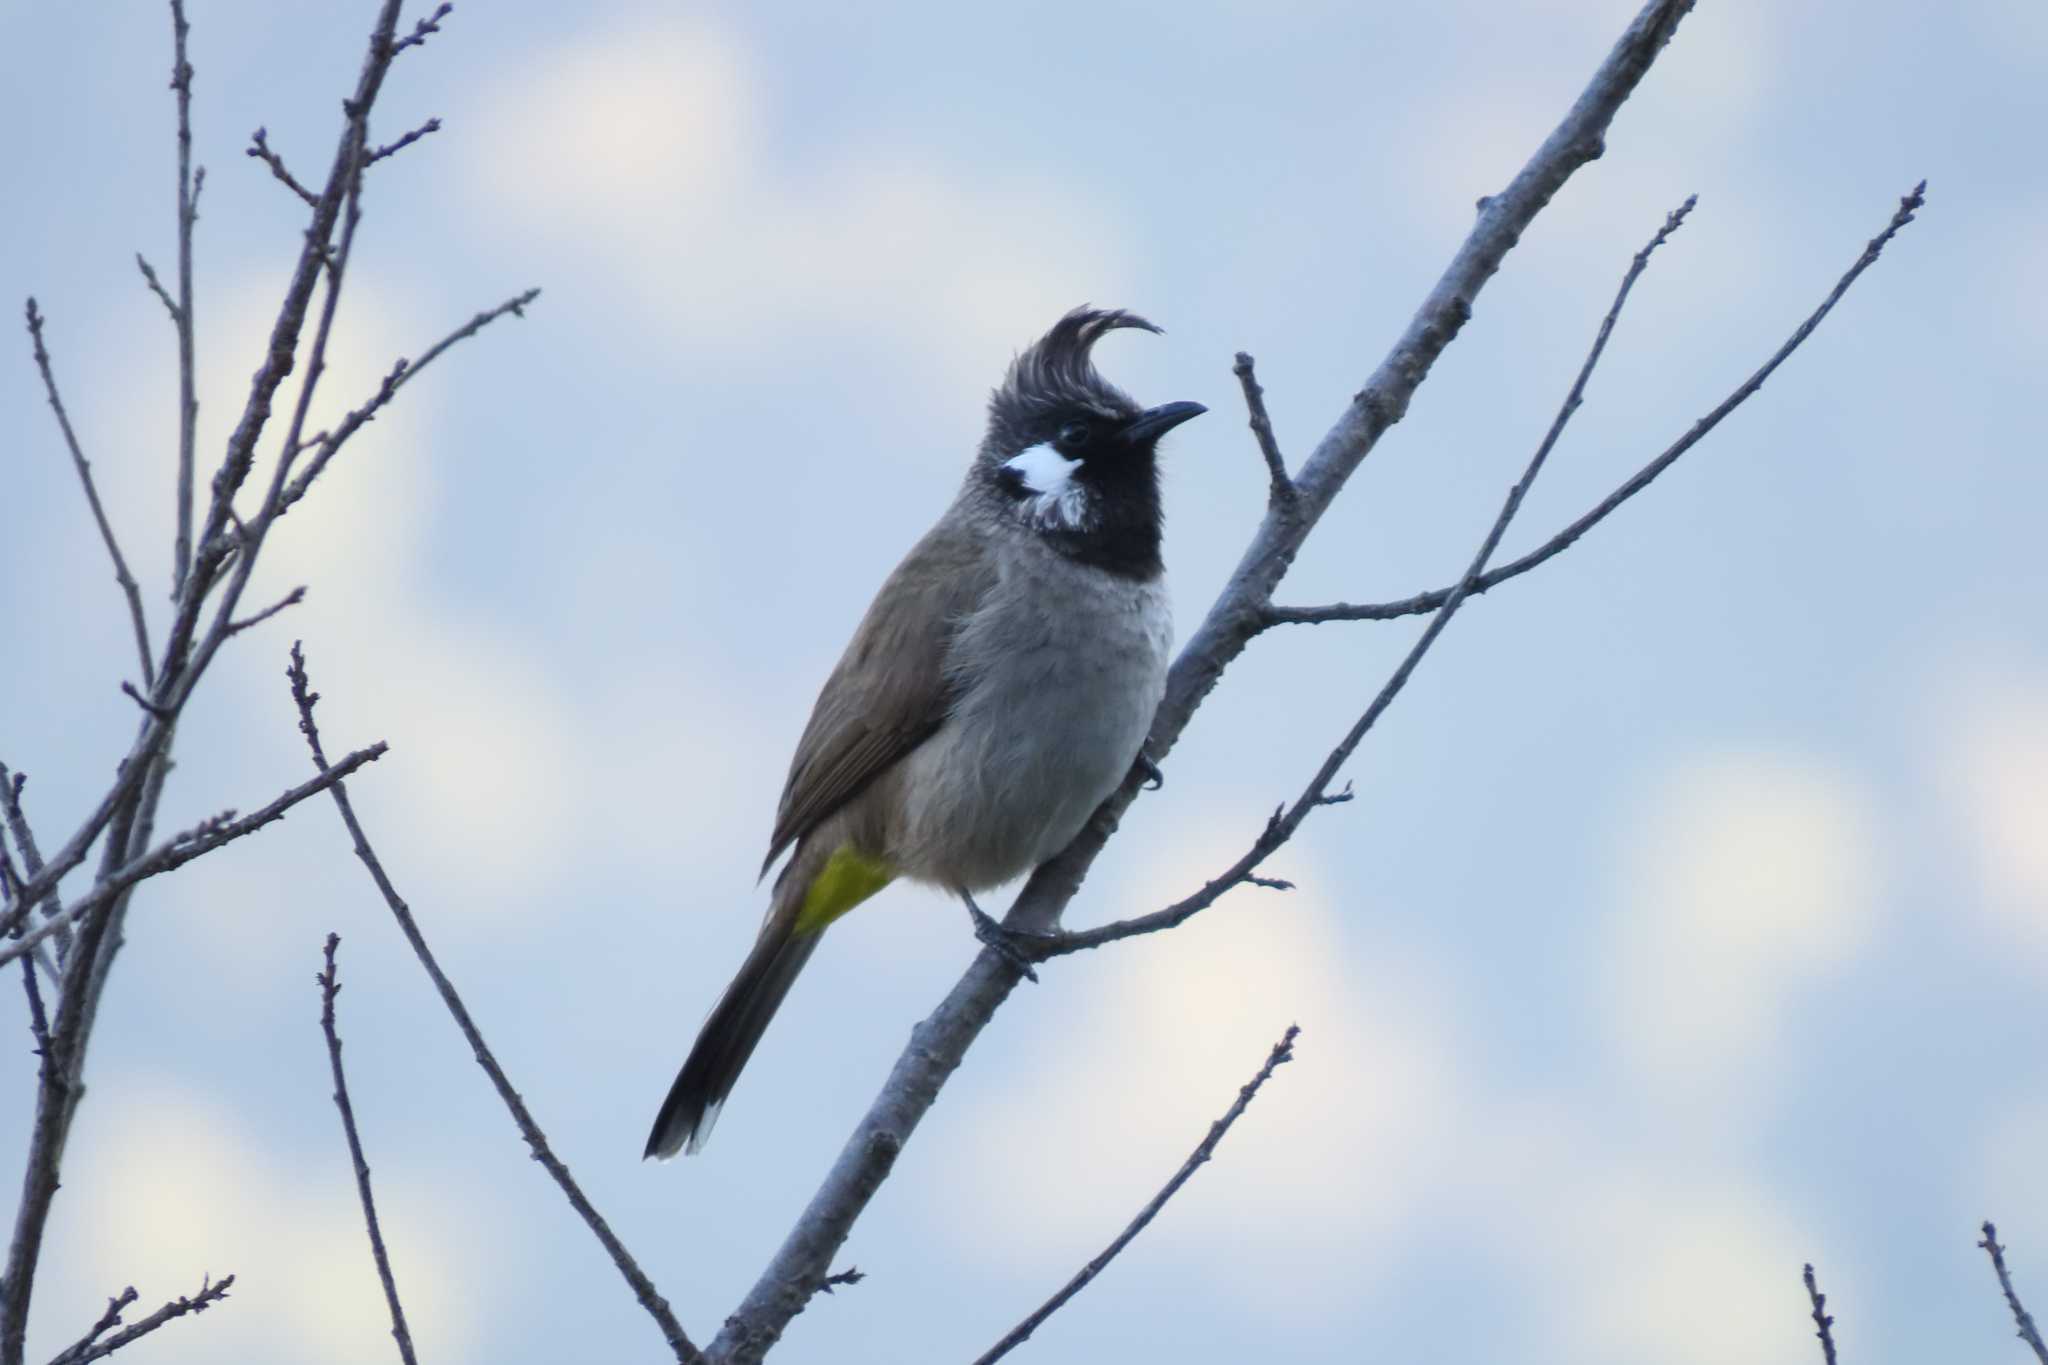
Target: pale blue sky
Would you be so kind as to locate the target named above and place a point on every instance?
(1692, 920)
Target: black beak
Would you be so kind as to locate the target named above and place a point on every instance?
(1153, 423)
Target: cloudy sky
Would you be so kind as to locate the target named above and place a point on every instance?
(1692, 918)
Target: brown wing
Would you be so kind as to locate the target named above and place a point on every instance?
(889, 691)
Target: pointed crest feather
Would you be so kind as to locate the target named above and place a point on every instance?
(1057, 369)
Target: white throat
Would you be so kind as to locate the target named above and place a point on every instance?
(1056, 498)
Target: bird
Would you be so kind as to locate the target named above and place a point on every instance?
(1000, 686)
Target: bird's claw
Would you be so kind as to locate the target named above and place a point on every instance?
(1154, 779)
(1011, 945)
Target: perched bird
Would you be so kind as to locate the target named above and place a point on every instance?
(999, 687)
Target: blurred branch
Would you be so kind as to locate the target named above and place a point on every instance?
(330, 986)
(24, 838)
(938, 1044)
(91, 1348)
(1823, 1323)
(201, 839)
(1280, 488)
(432, 125)
(328, 443)
(129, 588)
(1283, 1051)
(2025, 1320)
(1284, 822)
(181, 315)
(429, 25)
(259, 147)
(1431, 601)
(643, 1288)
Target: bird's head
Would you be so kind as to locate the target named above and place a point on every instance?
(1072, 457)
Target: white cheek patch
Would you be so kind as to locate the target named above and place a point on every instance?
(1056, 497)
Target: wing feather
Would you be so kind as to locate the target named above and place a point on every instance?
(890, 691)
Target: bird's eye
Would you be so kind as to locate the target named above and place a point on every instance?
(1074, 435)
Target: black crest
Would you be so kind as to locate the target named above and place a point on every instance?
(1056, 371)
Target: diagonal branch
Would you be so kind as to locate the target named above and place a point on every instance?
(180, 849)
(1563, 540)
(210, 1293)
(259, 148)
(1283, 1052)
(1285, 822)
(643, 1288)
(330, 986)
(1823, 1321)
(1280, 488)
(329, 443)
(938, 1044)
(24, 838)
(2025, 1320)
(432, 125)
(129, 589)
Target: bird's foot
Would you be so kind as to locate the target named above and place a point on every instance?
(1016, 947)
(1154, 779)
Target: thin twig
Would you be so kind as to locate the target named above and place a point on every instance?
(329, 443)
(1430, 601)
(938, 1045)
(181, 315)
(330, 986)
(209, 1294)
(1281, 827)
(129, 589)
(643, 1288)
(1283, 1051)
(1280, 489)
(24, 838)
(259, 147)
(420, 30)
(180, 849)
(432, 125)
(290, 599)
(38, 1017)
(1824, 1324)
(2025, 1320)
(109, 1320)
(156, 286)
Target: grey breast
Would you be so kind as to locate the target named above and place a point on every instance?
(1058, 671)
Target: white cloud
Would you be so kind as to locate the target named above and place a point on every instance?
(1993, 758)
(1743, 877)
(190, 1193)
(647, 143)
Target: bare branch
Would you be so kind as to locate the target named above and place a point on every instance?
(88, 1350)
(1283, 1051)
(92, 495)
(1280, 491)
(181, 315)
(259, 147)
(1824, 1324)
(432, 125)
(201, 839)
(938, 1044)
(128, 690)
(290, 599)
(156, 286)
(430, 24)
(1285, 822)
(643, 1288)
(31, 857)
(2025, 1320)
(38, 1017)
(1430, 601)
(403, 371)
(109, 1320)
(330, 986)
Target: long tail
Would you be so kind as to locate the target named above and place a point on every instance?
(729, 1036)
